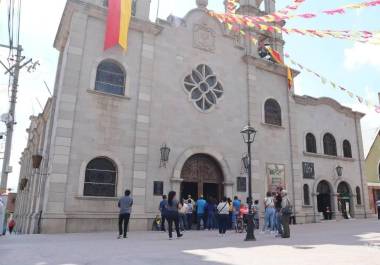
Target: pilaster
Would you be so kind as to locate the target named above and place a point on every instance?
(54, 204)
(143, 120)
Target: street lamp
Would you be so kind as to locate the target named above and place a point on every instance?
(339, 171)
(249, 134)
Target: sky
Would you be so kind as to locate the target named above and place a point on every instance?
(352, 65)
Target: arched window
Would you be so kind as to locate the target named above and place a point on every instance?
(100, 178)
(329, 145)
(110, 78)
(358, 196)
(311, 144)
(272, 112)
(306, 195)
(347, 149)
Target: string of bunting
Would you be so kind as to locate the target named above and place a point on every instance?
(323, 79)
(359, 36)
(276, 17)
(291, 8)
(326, 81)
(232, 5)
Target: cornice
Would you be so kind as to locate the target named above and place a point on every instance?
(269, 66)
(307, 100)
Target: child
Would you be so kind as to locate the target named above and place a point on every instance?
(256, 216)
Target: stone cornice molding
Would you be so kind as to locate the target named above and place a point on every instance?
(99, 12)
(268, 66)
(307, 100)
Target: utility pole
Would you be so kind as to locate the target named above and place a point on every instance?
(14, 71)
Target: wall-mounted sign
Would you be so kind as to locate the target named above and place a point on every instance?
(158, 188)
(276, 176)
(241, 184)
(308, 170)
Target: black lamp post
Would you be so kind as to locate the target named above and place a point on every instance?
(165, 151)
(249, 134)
(339, 171)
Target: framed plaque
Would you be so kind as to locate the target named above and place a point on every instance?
(308, 170)
(241, 184)
(158, 188)
(276, 176)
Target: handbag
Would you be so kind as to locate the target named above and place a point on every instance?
(288, 209)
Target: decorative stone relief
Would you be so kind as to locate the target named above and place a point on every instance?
(203, 88)
(204, 38)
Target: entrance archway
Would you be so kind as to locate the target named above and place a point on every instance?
(324, 196)
(344, 200)
(202, 175)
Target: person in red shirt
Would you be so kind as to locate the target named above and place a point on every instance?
(11, 225)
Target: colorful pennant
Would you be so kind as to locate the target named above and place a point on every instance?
(118, 20)
(232, 5)
(359, 36)
(341, 10)
(325, 81)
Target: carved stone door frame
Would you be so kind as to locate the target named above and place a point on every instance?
(201, 169)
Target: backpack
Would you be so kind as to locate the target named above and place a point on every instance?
(288, 209)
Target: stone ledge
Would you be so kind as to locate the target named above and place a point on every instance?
(93, 198)
(329, 156)
(91, 91)
(272, 125)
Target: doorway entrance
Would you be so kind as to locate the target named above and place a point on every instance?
(344, 200)
(324, 198)
(202, 175)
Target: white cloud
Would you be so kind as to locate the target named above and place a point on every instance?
(362, 55)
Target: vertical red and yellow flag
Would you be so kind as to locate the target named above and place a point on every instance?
(118, 20)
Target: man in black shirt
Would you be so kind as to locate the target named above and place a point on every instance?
(277, 205)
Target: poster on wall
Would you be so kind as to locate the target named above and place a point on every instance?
(276, 176)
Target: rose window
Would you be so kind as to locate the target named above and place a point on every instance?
(203, 88)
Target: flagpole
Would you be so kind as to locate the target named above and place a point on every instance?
(158, 9)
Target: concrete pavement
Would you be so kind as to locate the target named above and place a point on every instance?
(351, 242)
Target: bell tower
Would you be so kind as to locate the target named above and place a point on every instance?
(142, 8)
(249, 7)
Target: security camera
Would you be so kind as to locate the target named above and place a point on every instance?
(2, 135)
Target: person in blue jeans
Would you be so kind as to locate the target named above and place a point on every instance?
(201, 203)
(223, 213)
(211, 209)
(269, 217)
(162, 208)
(235, 210)
(278, 216)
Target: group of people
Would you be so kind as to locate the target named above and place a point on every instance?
(211, 214)
(201, 214)
(278, 213)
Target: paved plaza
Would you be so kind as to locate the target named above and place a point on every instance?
(350, 242)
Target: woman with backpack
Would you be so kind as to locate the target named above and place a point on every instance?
(172, 215)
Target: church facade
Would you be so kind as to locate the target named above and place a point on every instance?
(167, 115)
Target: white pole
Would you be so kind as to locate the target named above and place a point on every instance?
(158, 9)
